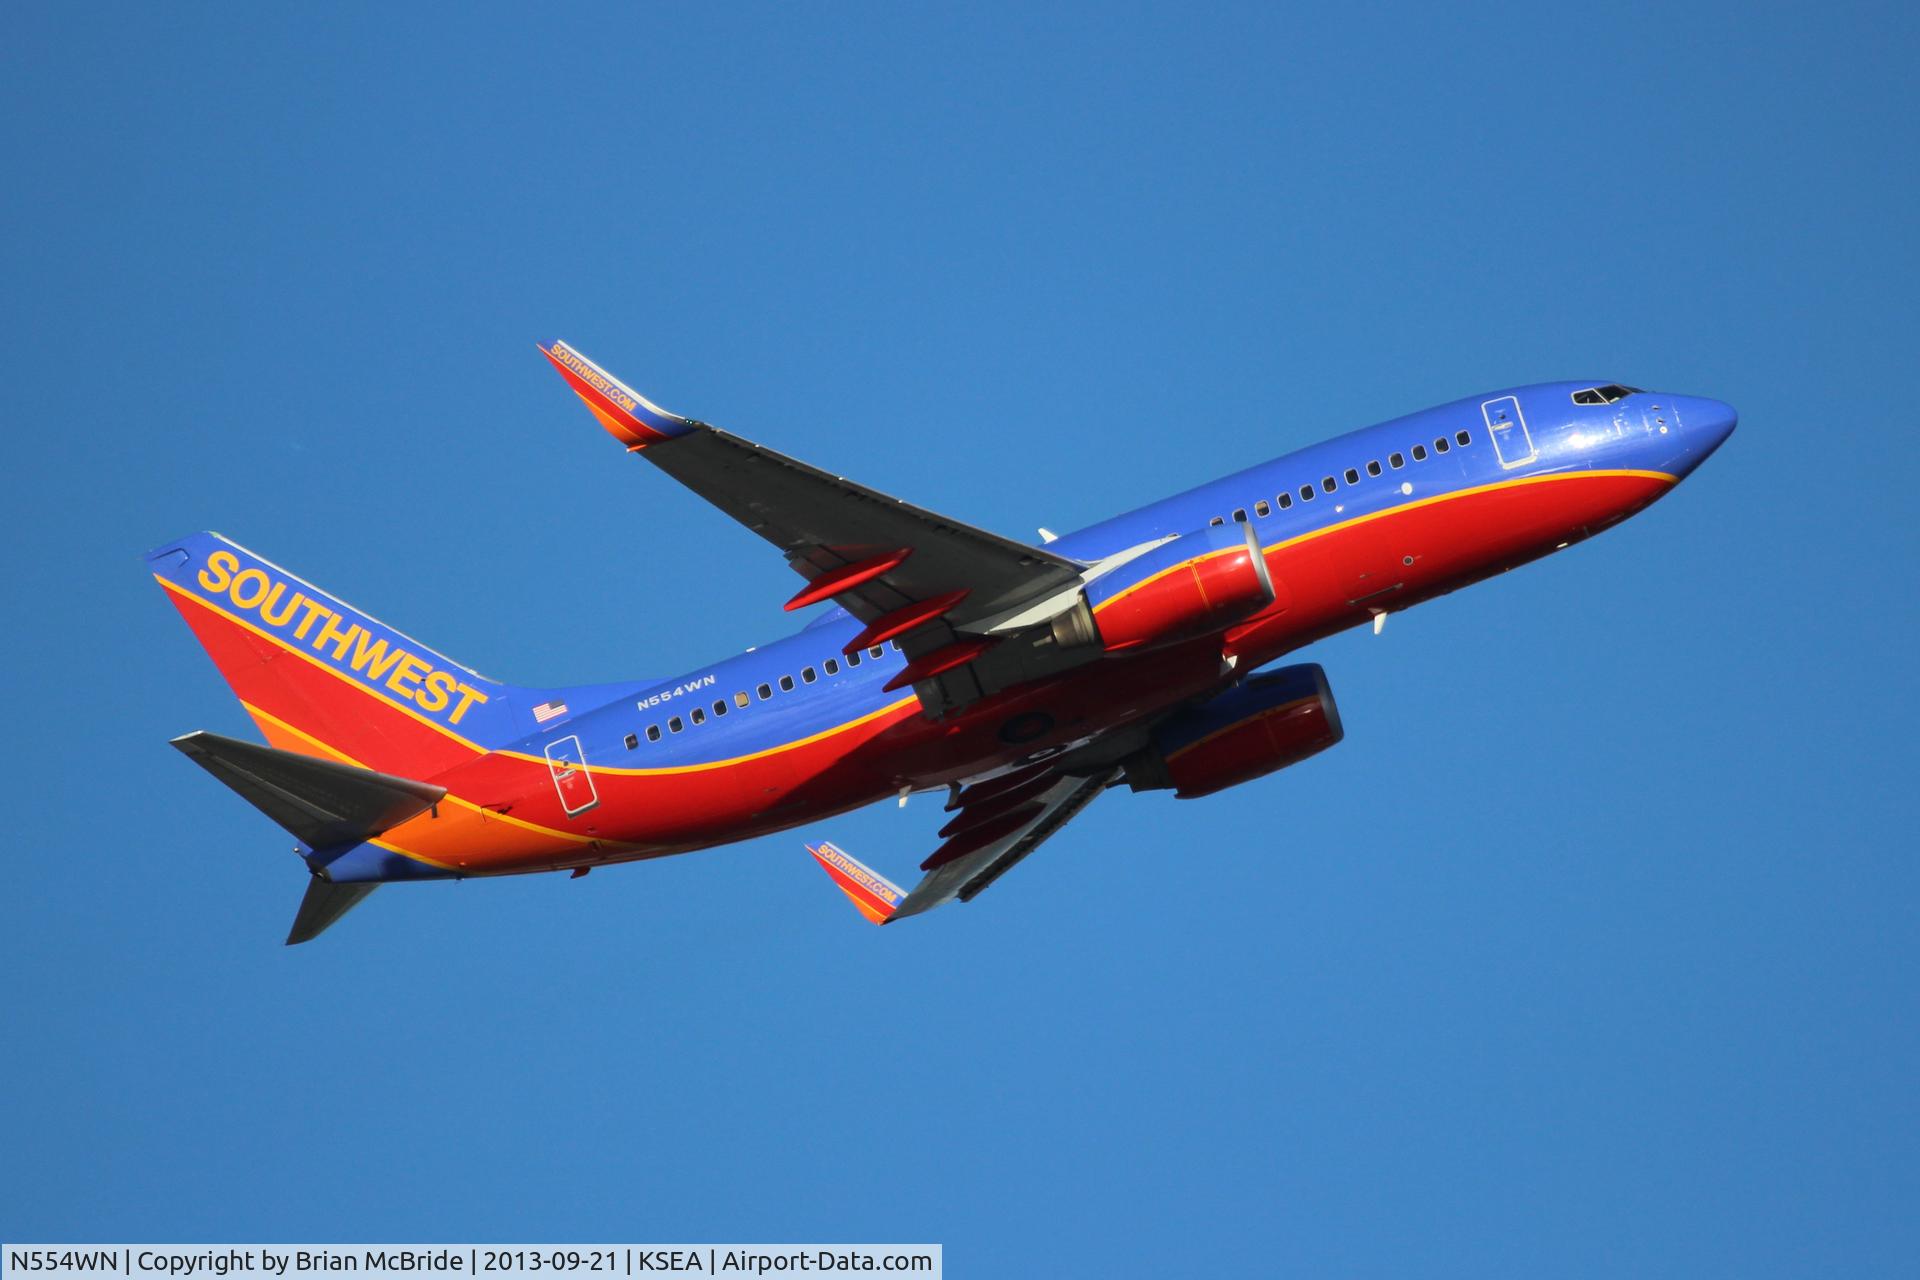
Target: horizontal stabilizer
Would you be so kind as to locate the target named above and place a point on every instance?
(325, 903)
(323, 803)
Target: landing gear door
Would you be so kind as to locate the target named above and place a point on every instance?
(1508, 427)
(571, 777)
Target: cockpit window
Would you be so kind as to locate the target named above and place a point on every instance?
(1604, 395)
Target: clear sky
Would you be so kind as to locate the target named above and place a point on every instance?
(1591, 951)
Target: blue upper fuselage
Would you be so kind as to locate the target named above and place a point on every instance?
(802, 685)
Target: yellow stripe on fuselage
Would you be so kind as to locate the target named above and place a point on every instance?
(1351, 521)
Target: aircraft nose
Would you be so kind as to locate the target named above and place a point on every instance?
(1707, 422)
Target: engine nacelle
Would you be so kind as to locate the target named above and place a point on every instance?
(1254, 728)
(1200, 582)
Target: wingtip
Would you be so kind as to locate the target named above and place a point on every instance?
(628, 416)
(871, 893)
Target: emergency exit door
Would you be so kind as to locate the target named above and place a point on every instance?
(571, 777)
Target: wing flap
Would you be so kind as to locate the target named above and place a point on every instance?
(967, 876)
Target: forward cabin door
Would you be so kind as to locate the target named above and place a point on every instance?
(1508, 427)
(571, 777)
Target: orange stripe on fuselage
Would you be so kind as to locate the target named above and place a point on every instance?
(469, 837)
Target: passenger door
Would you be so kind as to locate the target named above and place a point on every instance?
(1508, 427)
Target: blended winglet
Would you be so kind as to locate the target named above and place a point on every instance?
(874, 894)
(628, 416)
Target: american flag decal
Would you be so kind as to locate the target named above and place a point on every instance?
(549, 711)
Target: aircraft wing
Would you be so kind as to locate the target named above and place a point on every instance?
(935, 583)
(998, 822)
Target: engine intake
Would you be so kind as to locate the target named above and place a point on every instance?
(1256, 727)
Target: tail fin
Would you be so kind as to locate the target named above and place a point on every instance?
(323, 679)
(325, 805)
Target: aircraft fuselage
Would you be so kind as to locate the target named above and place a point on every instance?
(1368, 523)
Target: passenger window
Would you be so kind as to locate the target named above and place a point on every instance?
(1441, 445)
(832, 666)
(633, 740)
(807, 674)
(1396, 461)
(699, 716)
(765, 691)
(786, 684)
(674, 725)
(1216, 520)
(1419, 453)
(1306, 493)
(720, 706)
(853, 659)
(1240, 515)
(875, 652)
(740, 699)
(1327, 483)
(1373, 468)
(1286, 500)
(1261, 509)
(1462, 438)
(653, 733)
(1353, 477)
(895, 644)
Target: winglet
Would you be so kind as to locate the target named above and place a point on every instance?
(628, 416)
(874, 894)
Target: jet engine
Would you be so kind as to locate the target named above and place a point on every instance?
(1201, 582)
(1259, 725)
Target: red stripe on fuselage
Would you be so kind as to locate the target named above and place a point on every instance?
(506, 816)
(1328, 574)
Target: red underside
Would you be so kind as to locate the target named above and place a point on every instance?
(504, 815)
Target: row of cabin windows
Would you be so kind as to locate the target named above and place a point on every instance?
(1352, 476)
(763, 691)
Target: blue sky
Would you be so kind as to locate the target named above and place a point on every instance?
(1590, 951)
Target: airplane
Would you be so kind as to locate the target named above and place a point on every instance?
(1024, 679)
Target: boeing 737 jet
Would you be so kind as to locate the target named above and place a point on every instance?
(1022, 679)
